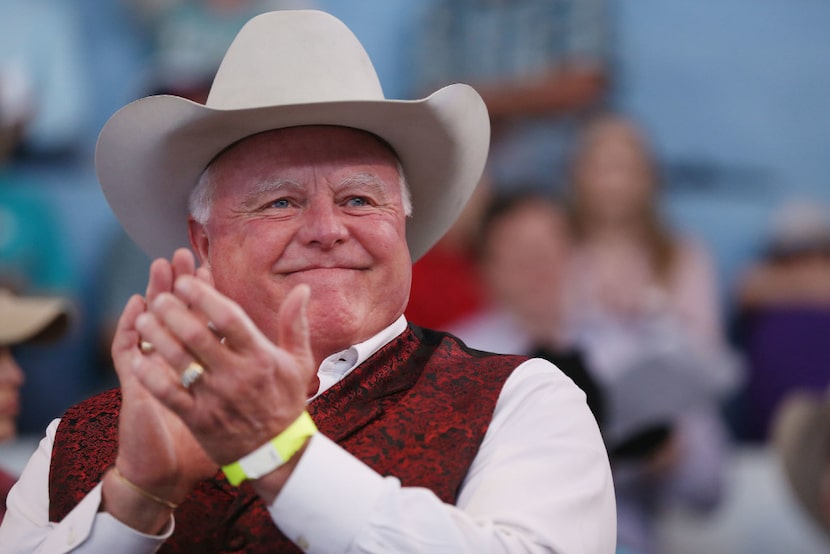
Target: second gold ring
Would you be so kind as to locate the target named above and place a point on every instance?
(192, 374)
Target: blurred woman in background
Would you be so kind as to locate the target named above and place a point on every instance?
(641, 296)
(631, 272)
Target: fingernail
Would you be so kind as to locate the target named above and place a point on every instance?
(141, 320)
(183, 284)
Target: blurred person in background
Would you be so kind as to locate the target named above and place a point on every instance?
(642, 298)
(23, 319)
(522, 254)
(794, 268)
(631, 274)
(540, 65)
(782, 315)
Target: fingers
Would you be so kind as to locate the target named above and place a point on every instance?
(160, 325)
(160, 280)
(137, 371)
(229, 320)
(160, 371)
(182, 264)
(126, 338)
(163, 382)
(163, 273)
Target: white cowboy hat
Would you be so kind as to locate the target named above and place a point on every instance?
(286, 69)
(24, 318)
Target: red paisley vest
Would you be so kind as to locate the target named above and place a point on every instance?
(417, 409)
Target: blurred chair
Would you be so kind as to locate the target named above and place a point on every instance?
(787, 349)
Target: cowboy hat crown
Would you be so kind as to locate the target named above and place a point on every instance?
(333, 66)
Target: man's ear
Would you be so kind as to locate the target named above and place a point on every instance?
(199, 241)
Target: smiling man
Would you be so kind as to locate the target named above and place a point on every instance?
(274, 399)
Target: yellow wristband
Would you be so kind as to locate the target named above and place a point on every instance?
(273, 453)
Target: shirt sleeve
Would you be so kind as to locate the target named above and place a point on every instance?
(26, 527)
(541, 482)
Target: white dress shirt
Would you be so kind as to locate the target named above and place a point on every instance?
(541, 482)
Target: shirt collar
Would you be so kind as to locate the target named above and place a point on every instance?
(338, 365)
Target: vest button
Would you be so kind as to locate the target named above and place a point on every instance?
(237, 542)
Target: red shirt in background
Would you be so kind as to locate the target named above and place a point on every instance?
(445, 287)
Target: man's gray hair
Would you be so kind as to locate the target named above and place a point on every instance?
(201, 197)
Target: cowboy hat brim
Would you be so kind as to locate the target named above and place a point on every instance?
(151, 153)
(26, 318)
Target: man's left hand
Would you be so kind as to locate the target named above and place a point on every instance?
(251, 389)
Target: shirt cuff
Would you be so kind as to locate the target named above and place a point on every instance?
(328, 499)
(85, 529)
(114, 536)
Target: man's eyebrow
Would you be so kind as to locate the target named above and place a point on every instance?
(253, 198)
(365, 181)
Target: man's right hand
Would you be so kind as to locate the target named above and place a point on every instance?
(157, 452)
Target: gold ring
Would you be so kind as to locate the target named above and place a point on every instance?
(146, 347)
(192, 374)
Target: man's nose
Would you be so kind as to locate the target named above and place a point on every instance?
(324, 225)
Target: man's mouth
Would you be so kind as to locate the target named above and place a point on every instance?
(315, 268)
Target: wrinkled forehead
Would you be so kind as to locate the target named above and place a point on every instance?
(310, 144)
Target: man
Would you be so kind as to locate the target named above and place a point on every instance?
(274, 400)
(23, 319)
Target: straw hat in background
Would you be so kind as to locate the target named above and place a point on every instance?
(31, 318)
(801, 440)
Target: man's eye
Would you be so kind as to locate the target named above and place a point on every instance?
(280, 203)
(357, 201)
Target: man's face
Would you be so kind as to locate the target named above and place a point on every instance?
(315, 205)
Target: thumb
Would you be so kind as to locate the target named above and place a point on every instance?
(124, 347)
(292, 329)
